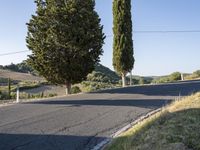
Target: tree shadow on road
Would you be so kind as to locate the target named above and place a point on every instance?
(144, 103)
(176, 89)
(47, 142)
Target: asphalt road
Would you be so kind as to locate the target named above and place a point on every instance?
(80, 122)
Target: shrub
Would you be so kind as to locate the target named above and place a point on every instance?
(141, 81)
(197, 73)
(75, 89)
(3, 96)
(52, 94)
(88, 86)
(98, 77)
(13, 95)
(171, 78)
(175, 76)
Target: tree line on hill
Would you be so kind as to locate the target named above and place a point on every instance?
(22, 67)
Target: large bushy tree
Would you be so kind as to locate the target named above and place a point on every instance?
(66, 38)
(123, 59)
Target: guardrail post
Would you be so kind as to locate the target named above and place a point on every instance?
(17, 95)
(182, 77)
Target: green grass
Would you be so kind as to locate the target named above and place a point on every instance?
(177, 127)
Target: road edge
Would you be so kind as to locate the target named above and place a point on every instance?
(104, 143)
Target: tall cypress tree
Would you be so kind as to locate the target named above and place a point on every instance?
(123, 59)
(66, 38)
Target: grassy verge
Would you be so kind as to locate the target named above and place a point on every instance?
(177, 127)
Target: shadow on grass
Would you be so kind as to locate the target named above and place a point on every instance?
(47, 142)
(178, 130)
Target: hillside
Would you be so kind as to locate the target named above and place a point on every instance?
(22, 71)
(107, 72)
(17, 76)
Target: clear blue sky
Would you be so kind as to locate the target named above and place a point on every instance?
(155, 53)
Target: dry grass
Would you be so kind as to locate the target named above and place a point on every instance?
(19, 76)
(47, 89)
(177, 127)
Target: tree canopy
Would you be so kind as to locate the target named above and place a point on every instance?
(66, 40)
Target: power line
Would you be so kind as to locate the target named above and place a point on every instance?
(163, 31)
(169, 31)
(142, 31)
(12, 53)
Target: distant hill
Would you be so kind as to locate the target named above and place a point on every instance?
(22, 71)
(108, 72)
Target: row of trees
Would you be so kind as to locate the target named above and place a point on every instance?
(22, 67)
(66, 39)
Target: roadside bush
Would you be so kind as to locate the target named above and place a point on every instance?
(13, 95)
(162, 80)
(94, 86)
(197, 73)
(75, 89)
(171, 78)
(52, 94)
(175, 76)
(3, 95)
(135, 81)
(98, 77)
(141, 81)
(194, 75)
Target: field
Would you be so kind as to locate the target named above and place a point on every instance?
(19, 76)
(30, 86)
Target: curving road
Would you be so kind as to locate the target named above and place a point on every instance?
(80, 122)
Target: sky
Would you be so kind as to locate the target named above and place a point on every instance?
(155, 53)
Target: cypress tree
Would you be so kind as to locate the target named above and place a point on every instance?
(123, 59)
(66, 38)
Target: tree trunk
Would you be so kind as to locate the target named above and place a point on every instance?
(131, 82)
(68, 88)
(123, 80)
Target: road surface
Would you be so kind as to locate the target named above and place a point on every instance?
(80, 122)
